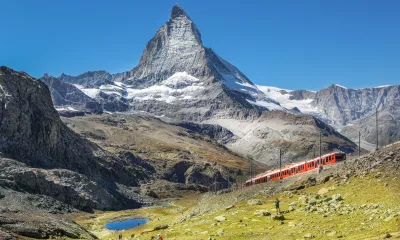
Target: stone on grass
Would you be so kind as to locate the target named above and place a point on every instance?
(278, 217)
(323, 191)
(331, 233)
(387, 235)
(255, 202)
(229, 207)
(337, 197)
(160, 227)
(261, 213)
(220, 218)
(308, 235)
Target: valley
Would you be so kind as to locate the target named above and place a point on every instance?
(173, 140)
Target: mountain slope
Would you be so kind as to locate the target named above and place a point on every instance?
(357, 199)
(65, 94)
(348, 110)
(180, 80)
(32, 133)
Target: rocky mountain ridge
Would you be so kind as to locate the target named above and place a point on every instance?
(179, 79)
(349, 110)
(47, 169)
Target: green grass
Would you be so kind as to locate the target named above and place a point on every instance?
(242, 224)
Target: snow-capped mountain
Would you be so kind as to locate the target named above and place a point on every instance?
(348, 110)
(176, 68)
(181, 80)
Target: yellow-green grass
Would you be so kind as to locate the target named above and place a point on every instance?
(242, 224)
(157, 215)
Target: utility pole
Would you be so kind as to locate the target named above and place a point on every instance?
(359, 144)
(320, 147)
(376, 118)
(280, 163)
(251, 171)
(228, 179)
(215, 183)
(315, 143)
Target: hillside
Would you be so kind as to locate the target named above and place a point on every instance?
(357, 199)
(111, 162)
(187, 154)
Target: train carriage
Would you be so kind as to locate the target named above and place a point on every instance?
(296, 168)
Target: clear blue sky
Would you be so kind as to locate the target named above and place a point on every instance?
(306, 44)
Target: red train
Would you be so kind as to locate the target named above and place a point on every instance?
(296, 168)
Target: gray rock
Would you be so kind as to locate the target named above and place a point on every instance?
(278, 217)
(262, 213)
(229, 207)
(32, 134)
(308, 235)
(160, 227)
(65, 94)
(255, 202)
(220, 218)
(337, 197)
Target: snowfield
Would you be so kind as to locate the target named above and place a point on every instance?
(284, 100)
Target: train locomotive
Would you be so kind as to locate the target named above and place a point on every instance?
(297, 168)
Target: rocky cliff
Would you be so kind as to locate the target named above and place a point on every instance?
(32, 133)
(66, 96)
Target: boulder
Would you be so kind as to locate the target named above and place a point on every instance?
(323, 191)
(220, 218)
(255, 202)
(262, 213)
(229, 207)
(331, 233)
(278, 217)
(337, 197)
(303, 199)
(308, 235)
(160, 227)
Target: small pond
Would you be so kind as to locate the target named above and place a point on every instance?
(126, 224)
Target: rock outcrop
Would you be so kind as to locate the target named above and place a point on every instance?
(32, 133)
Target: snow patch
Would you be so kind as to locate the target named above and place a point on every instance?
(180, 86)
(266, 104)
(66, 109)
(284, 100)
(337, 85)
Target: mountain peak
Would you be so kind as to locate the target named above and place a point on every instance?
(177, 11)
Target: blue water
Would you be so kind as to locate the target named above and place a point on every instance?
(127, 224)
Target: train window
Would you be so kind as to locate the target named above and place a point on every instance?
(339, 156)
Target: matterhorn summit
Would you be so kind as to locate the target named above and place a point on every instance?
(180, 80)
(177, 50)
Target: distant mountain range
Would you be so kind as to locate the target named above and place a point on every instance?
(178, 79)
(349, 110)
